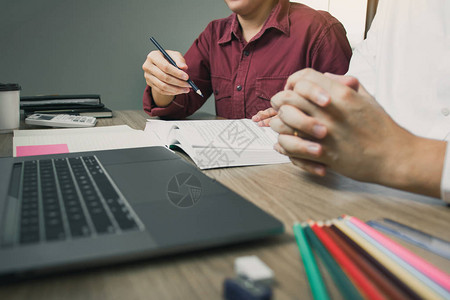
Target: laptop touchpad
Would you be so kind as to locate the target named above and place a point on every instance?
(156, 180)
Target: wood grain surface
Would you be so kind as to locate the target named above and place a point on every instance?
(284, 191)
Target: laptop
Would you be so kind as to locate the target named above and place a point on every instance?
(77, 210)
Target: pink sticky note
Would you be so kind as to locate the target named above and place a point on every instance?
(41, 149)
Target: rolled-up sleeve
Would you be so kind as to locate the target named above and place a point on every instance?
(183, 105)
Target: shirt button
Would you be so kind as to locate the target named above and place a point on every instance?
(239, 88)
(445, 111)
(246, 53)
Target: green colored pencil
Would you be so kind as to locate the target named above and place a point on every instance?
(341, 280)
(316, 283)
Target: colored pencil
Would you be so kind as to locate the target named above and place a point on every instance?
(362, 282)
(316, 283)
(415, 284)
(387, 273)
(366, 266)
(413, 236)
(417, 262)
(342, 282)
(436, 288)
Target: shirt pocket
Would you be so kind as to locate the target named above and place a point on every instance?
(222, 94)
(267, 87)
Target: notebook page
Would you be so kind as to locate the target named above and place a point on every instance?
(233, 134)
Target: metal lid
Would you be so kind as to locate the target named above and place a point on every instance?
(4, 87)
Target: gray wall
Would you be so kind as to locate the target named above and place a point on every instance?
(97, 46)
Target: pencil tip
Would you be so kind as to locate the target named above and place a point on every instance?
(199, 92)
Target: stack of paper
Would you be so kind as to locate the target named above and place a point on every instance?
(51, 141)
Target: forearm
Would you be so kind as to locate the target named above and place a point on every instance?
(416, 167)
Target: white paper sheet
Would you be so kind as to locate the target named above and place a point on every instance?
(86, 139)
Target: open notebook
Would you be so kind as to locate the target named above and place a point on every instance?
(219, 143)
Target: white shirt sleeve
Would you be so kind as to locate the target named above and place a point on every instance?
(445, 180)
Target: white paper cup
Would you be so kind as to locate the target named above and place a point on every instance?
(9, 107)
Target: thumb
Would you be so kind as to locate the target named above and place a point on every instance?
(349, 81)
(362, 90)
(179, 59)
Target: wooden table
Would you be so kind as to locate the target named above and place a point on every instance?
(282, 190)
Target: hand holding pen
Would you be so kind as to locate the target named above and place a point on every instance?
(165, 73)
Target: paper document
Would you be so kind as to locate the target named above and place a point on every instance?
(83, 139)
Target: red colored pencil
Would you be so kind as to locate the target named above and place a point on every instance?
(361, 281)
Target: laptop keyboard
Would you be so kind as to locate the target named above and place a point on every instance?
(66, 198)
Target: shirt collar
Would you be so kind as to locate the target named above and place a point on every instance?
(278, 19)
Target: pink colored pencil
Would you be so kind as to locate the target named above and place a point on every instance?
(417, 262)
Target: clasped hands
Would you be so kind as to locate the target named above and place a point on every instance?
(330, 121)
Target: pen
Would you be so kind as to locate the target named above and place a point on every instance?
(167, 56)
